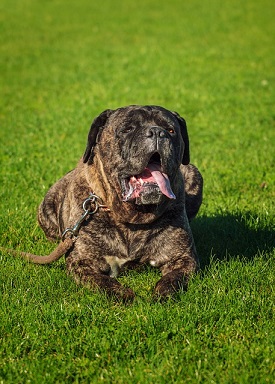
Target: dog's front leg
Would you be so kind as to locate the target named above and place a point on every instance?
(176, 276)
(87, 273)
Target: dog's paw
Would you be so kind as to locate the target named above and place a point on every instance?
(122, 293)
(169, 284)
(113, 288)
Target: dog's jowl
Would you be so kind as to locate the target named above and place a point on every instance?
(137, 164)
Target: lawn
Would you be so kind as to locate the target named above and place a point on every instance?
(61, 64)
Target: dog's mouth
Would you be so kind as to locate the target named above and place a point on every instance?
(149, 186)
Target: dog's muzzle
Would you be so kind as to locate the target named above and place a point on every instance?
(148, 187)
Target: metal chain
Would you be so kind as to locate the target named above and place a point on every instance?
(90, 206)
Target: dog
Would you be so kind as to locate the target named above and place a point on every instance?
(137, 165)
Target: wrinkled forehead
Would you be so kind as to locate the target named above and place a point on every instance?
(143, 116)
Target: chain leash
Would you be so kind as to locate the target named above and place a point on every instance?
(90, 206)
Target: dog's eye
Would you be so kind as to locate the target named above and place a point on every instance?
(127, 129)
(171, 130)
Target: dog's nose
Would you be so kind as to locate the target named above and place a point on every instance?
(155, 131)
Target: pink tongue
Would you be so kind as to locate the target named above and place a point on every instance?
(161, 179)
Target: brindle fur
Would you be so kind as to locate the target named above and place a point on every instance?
(119, 143)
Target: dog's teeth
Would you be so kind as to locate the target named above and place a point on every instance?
(131, 190)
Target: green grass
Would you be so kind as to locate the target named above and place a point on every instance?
(62, 63)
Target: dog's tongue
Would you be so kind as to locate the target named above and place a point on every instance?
(153, 172)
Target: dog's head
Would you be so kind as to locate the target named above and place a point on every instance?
(139, 150)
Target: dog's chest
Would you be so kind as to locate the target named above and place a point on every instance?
(123, 246)
(130, 248)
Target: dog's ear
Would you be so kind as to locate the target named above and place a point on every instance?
(94, 133)
(184, 133)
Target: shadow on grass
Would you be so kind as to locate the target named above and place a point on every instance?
(227, 236)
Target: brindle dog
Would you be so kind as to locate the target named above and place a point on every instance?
(137, 162)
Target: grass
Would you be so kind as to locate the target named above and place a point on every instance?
(62, 63)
